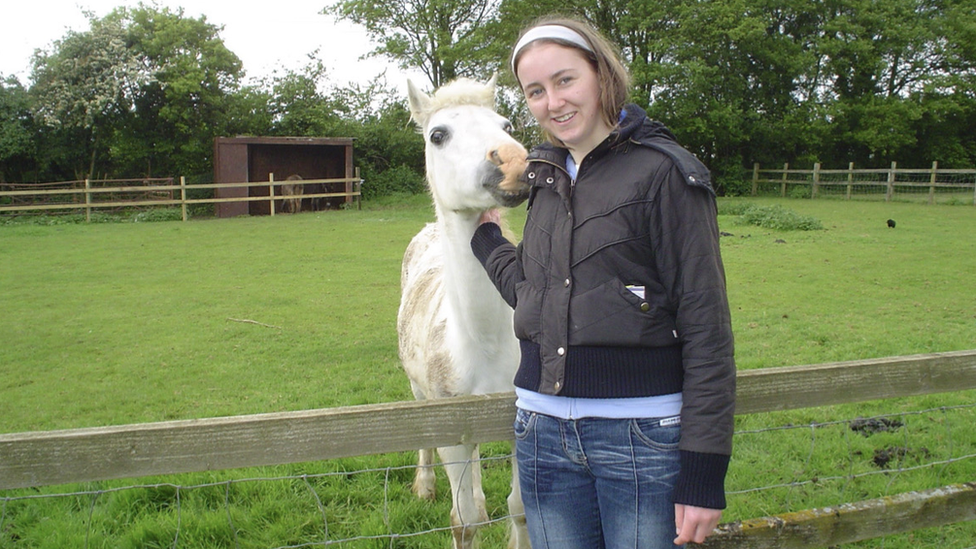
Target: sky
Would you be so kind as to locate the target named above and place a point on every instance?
(265, 39)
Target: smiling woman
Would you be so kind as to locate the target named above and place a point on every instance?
(620, 310)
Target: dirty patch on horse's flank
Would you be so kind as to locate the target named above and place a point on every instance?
(874, 425)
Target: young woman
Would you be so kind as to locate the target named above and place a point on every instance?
(626, 385)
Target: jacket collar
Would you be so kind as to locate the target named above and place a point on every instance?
(634, 125)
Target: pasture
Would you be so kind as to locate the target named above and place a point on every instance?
(126, 323)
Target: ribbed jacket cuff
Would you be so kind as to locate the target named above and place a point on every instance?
(487, 237)
(701, 482)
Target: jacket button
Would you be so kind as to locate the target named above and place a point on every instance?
(549, 180)
(645, 307)
(531, 175)
(566, 283)
(557, 386)
(561, 351)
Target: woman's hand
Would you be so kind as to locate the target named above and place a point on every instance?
(694, 523)
(493, 215)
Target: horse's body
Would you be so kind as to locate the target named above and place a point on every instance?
(455, 331)
(292, 193)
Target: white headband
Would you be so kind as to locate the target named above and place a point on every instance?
(557, 32)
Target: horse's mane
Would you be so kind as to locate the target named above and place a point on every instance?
(463, 91)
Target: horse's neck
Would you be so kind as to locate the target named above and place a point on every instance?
(472, 296)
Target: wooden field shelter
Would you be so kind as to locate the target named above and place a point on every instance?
(255, 159)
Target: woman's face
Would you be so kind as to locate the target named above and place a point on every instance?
(563, 94)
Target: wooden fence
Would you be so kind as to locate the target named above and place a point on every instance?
(83, 455)
(90, 194)
(886, 181)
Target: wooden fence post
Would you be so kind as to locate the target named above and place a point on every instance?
(850, 179)
(87, 200)
(786, 168)
(359, 191)
(891, 182)
(755, 178)
(271, 192)
(935, 169)
(183, 195)
(816, 180)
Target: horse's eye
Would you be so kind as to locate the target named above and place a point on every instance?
(508, 127)
(438, 136)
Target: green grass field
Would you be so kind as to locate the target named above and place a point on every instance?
(109, 324)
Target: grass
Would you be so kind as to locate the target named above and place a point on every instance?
(133, 323)
(856, 289)
(107, 324)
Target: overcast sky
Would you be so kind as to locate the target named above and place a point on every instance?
(278, 35)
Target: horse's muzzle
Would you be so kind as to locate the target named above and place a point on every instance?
(505, 181)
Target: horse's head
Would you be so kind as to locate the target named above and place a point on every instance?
(473, 162)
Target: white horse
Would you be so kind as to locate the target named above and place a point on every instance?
(455, 331)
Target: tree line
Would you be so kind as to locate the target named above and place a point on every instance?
(144, 91)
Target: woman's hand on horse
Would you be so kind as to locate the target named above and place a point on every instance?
(494, 215)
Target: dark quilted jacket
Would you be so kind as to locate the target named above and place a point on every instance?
(640, 215)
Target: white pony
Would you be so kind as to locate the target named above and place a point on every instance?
(455, 331)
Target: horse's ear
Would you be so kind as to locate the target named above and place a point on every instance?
(419, 103)
(491, 82)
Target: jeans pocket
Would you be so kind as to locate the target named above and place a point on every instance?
(523, 423)
(651, 433)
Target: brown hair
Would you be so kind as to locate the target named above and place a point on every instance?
(605, 59)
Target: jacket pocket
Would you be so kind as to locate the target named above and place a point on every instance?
(613, 314)
(528, 312)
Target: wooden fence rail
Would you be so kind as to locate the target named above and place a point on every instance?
(882, 180)
(83, 194)
(83, 455)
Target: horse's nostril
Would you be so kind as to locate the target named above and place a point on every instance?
(496, 158)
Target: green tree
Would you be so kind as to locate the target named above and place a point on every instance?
(86, 85)
(441, 38)
(298, 104)
(143, 92)
(388, 150)
(877, 56)
(187, 102)
(17, 132)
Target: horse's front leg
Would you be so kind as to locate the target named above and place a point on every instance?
(518, 533)
(424, 482)
(468, 501)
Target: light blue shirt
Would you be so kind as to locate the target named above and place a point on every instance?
(663, 406)
(571, 166)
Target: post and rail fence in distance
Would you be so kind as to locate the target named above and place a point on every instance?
(89, 195)
(923, 184)
(35, 459)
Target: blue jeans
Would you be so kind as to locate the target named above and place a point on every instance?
(597, 483)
